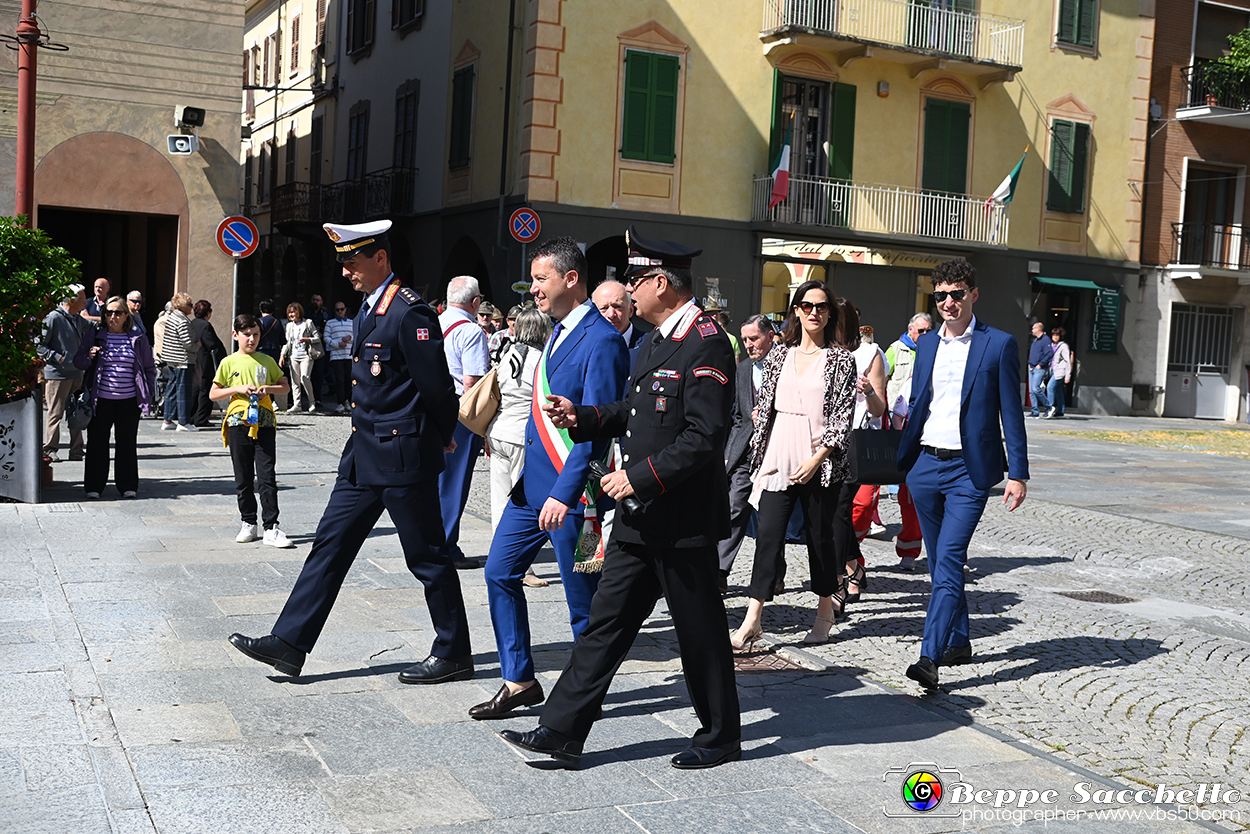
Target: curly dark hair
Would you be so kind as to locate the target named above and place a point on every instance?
(792, 330)
(957, 271)
(848, 325)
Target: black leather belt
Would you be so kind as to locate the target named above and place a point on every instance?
(943, 454)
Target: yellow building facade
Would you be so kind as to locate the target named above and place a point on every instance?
(903, 119)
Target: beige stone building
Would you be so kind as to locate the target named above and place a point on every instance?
(106, 187)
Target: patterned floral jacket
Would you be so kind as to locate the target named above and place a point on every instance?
(839, 406)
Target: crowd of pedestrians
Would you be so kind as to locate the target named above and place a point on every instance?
(630, 432)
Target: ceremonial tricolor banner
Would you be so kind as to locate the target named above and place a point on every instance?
(781, 169)
(1007, 188)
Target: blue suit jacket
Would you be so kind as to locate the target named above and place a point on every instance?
(590, 367)
(991, 395)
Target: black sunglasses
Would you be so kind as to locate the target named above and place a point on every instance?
(807, 306)
(638, 280)
(941, 295)
(114, 312)
(923, 329)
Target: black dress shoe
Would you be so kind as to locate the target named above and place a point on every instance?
(275, 651)
(547, 741)
(465, 563)
(698, 758)
(438, 670)
(505, 702)
(956, 656)
(924, 672)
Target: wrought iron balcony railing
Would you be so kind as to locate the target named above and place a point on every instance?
(1219, 245)
(387, 193)
(883, 209)
(913, 25)
(1209, 86)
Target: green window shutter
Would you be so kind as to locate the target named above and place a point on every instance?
(1080, 163)
(664, 110)
(634, 132)
(1085, 23)
(461, 117)
(1061, 143)
(945, 159)
(842, 139)
(776, 129)
(1069, 11)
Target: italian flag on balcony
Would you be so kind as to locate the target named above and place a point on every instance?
(781, 168)
(1007, 188)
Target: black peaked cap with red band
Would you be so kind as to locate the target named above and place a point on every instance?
(647, 253)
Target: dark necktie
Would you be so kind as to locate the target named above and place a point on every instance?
(358, 323)
(555, 334)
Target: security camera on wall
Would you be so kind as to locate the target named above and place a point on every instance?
(181, 145)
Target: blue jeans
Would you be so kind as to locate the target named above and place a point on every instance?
(1055, 392)
(178, 396)
(1037, 389)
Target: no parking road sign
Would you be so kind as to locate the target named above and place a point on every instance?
(525, 225)
(237, 236)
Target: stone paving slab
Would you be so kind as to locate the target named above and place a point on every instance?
(123, 709)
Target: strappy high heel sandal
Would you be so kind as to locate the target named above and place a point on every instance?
(747, 643)
(814, 637)
(859, 578)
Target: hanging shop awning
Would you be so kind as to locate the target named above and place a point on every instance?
(1073, 283)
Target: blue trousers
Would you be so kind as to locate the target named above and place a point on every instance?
(453, 485)
(178, 396)
(350, 514)
(513, 549)
(1055, 389)
(949, 506)
(1037, 389)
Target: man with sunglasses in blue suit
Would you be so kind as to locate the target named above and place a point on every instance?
(966, 383)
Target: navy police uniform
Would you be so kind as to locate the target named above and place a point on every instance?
(675, 417)
(403, 413)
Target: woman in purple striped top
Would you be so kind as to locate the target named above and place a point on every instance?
(121, 377)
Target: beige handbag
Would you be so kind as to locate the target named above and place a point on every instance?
(479, 404)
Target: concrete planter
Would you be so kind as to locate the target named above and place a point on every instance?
(21, 449)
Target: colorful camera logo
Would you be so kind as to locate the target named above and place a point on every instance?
(922, 786)
(922, 791)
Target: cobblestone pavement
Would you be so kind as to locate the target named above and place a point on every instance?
(1151, 689)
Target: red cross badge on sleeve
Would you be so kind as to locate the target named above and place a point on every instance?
(423, 334)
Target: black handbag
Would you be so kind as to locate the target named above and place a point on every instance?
(873, 456)
(78, 411)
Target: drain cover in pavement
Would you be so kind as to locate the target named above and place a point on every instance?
(1097, 596)
(758, 663)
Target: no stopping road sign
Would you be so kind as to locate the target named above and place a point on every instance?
(237, 236)
(525, 225)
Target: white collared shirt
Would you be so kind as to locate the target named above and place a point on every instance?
(628, 334)
(670, 323)
(941, 427)
(374, 297)
(572, 320)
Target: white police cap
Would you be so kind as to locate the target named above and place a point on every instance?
(349, 239)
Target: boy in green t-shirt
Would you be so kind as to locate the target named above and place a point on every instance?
(250, 428)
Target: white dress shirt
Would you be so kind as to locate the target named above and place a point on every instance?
(571, 320)
(670, 323)
(628, 334)
(941, 427)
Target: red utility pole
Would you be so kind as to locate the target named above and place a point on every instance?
(28, 35)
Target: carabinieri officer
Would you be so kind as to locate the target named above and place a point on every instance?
(675, 416)
(403, 411)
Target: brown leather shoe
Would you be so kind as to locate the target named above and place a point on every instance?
(504, 702)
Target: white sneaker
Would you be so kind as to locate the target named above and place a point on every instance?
(907, 563)
(247, 533)
(168, 426)
(276, 538)
(187, 427)
(875, 529)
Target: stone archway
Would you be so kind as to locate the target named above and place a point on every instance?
(113, 172)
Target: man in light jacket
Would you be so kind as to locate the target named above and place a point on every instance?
(62, 334)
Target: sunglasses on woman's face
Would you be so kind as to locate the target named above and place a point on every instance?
(821, 307)
(941, 295)
(114, 313)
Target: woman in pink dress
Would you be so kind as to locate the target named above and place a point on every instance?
(798, 453)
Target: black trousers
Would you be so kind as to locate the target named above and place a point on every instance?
(349, 517)
(342, 372)
(201, 405)
(819, 504)
(845, 542)
(121, 419)
(633, 577)
(254, 465)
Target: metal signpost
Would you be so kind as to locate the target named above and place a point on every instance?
(237, 237)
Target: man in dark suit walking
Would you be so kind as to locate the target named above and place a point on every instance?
(966, 383)
(675, 416)
(403, 412)
(757, 338)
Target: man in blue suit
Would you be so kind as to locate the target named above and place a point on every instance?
(586, 361)
(966, 382)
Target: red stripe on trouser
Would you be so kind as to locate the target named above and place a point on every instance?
(863, 509)
(909, 539)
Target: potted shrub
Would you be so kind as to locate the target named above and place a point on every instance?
(34, 276)
(1227, 79)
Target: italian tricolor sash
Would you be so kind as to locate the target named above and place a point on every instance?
(557, 444)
